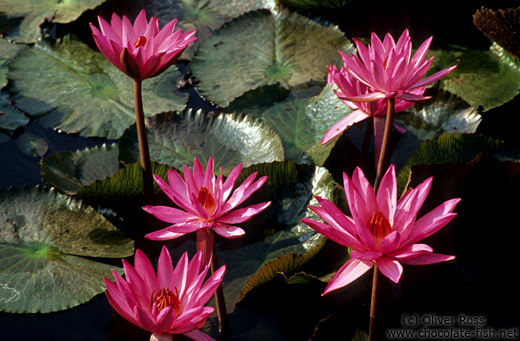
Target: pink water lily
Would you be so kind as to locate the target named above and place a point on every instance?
(386, 68)
(171, 302)
(383, 230)
(350, 87)
(140, 50)
(205, 202)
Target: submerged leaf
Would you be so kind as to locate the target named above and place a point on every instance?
(175, 139)
(44, 237)
(264, 48)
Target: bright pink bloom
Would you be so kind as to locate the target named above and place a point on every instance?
(382, 230)
(350, 87)
(141, 51)
(205, 202)
(171, 302)
(387, 69)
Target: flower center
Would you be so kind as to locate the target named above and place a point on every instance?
(166, 298)
(207, 200)
(379, 226)
(141, 41)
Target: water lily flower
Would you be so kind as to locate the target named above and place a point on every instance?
(387, 69)
(382, 230)
(171, 302)
(205, 202)
(350, 87)
(140, 50)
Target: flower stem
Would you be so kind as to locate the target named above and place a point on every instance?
(385, 148)
(373, 304)
(143, 142)
(220, 301)
(206, 243)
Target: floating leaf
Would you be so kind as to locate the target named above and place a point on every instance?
(313, 4)
(263, 48)
(70, 171)
(485, 79)
(501, 26)
(290, 187)
(24, 17)
(444, 113)
(126, 182)
(44, 237)
(204, 16)
(302, 122)
(55, 84)
(454, 147)
(175, 139)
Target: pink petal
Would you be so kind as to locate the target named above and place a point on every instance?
(163, 234)
(165, 319)
(387, 194)
(410, 251)
(429, 258)
(191, 320)
(228, 185)
(143, 266)
(368, 97)
(341, 125)
(340, 236)
(164, 268)
(348, 273)
(244, 191)
(433, 78)
(118, 301)
(433, 221)
(146, 320)
(406, 96)
(169, 214)
(391, 268)
(228, 231)
(197, 335)
(243, 214)
(210, 286)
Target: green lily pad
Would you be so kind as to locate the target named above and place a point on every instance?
(44, 239)
(96, 173)
(302, 122)
(484, 79)
(10, 117)
(24, 17)
(454, 147)
(444, 113)
(263, 48)
(313, 4)
(70, 171)
(175, 139)
(203, 16)
(55, 84)
(290, 187)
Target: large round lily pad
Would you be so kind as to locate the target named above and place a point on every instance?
(175, 139)
(262, 48)
(47, 242)
(24, 17)
(75, 89)
(484, 79)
